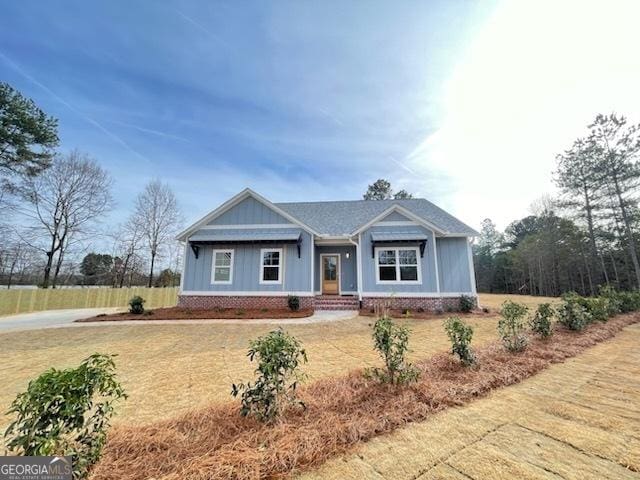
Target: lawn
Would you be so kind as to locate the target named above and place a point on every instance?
(581, 414)
(168, 369)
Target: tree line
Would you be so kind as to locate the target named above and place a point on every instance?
(587, 236)
(53, 207)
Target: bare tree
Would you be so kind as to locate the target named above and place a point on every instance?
(128, 240)
(63, 205)
(158, 216)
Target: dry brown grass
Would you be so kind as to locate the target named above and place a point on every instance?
(493, 301)
(170, 369)
(215, 442)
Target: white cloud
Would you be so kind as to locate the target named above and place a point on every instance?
(535, 76)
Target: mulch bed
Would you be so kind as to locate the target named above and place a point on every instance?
(400, 314)
(178, 313)
(217, 443)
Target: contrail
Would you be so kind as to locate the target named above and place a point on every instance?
(149, 130)
(203, 28)
(93, 122)
(402, 165)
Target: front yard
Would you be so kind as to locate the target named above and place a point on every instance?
(581, 414)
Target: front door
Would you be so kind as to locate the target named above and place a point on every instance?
(330, 274)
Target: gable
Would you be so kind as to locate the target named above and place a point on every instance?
(395, 217)
(249, 212)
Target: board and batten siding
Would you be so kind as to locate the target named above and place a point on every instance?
(348, 267)
(247, 268)
(249, 212)
(427, 262)
(453, 265)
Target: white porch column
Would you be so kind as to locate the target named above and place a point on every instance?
(313, 263)
(435, 261)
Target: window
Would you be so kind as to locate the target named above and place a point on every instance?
(222, 268)
(398, 265)
(270, 271)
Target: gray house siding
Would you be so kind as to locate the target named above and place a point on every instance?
(348, 267)
(369, 263)
(453, 265)
(246, 269)
(395, 217)
(249, 212)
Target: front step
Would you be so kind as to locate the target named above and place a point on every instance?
(330, 302)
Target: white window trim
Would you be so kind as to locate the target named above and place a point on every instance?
(397, 265)
(213, 266)
(280, 267)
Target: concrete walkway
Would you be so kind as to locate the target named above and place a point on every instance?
(67, 318)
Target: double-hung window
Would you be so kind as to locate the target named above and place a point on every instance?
(271, 266)
(222, 267)
(398, 265)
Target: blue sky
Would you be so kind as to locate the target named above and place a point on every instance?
(314, 100)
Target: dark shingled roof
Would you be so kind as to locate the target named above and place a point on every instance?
(344, 217)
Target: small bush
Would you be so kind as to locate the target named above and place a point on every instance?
(460, 335)
(240, 312)
(540, 323)
(67, 413)
(629, 301)
(392, 343)
(572, 313)
(406, 312)
(511, 326)
(467, 303)
(279, 356)
(598, 307)
(614, 301)
(294, 303)
(136, 305)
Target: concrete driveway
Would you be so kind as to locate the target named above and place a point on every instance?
(66, 318)
(49, 318)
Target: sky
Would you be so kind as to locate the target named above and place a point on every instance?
(463, 102)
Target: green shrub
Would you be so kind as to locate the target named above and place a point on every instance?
(614, 305)
(629, 301)
(573, 313)
(540, 322)
(511, 326)
(67, 413)
(294, 302)
(460, 335)
(598, 307)
(467, 303)
(279, 356)
(136, 305)
(392, 343)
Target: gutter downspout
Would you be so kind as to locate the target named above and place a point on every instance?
(358, 267)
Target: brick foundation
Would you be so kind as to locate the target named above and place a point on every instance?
(215, 301)
(428, 304)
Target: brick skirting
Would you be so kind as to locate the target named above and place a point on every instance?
(217, 301)
(428, 304)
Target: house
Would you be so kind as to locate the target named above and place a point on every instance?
(252, 253)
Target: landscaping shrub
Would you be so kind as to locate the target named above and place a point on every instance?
(598, 307)
(613, 296)
(511, 326)
(460, 335)
(279, 356)
(136, 305)
(392, 342)
(294, 302)
(66, 413)
(572, 313)
(629, 301)
(540, 322)
(467, 303)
